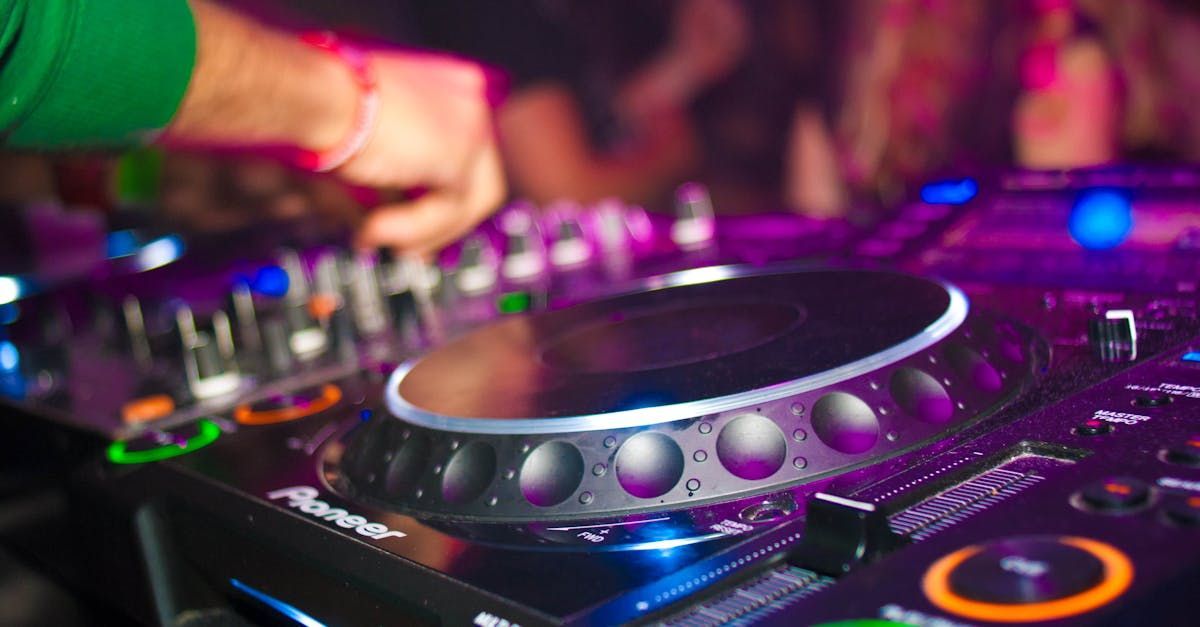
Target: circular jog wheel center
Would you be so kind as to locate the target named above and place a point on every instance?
(703, 388)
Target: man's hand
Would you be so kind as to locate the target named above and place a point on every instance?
(255, 87)
(435, 134)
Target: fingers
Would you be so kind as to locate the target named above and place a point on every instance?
(427, 224)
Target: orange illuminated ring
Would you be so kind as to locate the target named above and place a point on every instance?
(330, 395)
(147, 408)
(1118, 574)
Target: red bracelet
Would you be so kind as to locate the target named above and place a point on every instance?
(358, 62)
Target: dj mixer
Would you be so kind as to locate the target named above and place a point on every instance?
(982, 408)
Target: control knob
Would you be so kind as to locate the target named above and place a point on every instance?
(208, 356)
(524, 250)
(694, 226)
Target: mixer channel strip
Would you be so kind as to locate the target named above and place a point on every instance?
(960, 502)
(754, 599)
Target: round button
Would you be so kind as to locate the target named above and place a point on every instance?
(649, 464)
(845, 423)
(751, 447)
(1028, 578)
(1155, 399)
(1115, 495)
(1186, 453)
(1183, 511)
(1093, 427)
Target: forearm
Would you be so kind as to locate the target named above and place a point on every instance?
(258, 86)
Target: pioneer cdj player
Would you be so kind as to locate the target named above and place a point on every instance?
(982, 409)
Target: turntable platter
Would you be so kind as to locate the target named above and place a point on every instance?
(659, 355)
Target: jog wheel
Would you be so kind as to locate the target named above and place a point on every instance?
(703, 387)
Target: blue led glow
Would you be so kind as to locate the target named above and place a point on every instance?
(9, 313)
(12, 386)
(159, 252)
(286, 609)
(122, 244)
(364, 415)
(10, 357)
(271, 281)
(1192, 356)
(640, 400)
(951, 192)
(1101, 219)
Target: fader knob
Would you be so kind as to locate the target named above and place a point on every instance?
(241, 303)
(135, 327)
(1114, 337)
(570, 248)
(695, 226)
(524, 250)
(306, 338)
(476, 269)
(208, 357)
(612, 229)
(366, 296)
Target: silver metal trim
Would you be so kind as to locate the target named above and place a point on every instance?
(956, 312)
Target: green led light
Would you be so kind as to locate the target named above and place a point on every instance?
(513, 302)
(207, 432)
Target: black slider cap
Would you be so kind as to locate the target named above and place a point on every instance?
(841, 534)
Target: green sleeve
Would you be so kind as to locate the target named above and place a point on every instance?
(91, 73)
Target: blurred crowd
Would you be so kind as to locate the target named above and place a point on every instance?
(777, 105)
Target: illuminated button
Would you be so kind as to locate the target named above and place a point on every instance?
(951, 192)
(1094, 427)
(147, 408)
(157, 446)
(1186, 453)
(1191, 357)
(289, 407)
(1183, 511)
(1115, 495)
(1028, 579)
(1101, 219)
(322, 306)
(514, 302)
